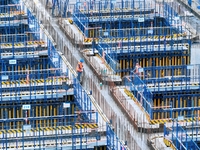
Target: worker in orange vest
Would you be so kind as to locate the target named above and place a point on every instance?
(79, 69)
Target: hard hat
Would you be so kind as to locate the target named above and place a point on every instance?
(82, 60)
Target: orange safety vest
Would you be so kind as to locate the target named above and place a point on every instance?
(79, 67)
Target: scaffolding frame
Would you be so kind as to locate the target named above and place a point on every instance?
(39, 95)
(165, 92)
(182, 138)
(59, 7)
(129, 36)
(113, 141)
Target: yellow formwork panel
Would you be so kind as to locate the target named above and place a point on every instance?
(157, 62)
(124, 65)
(154, 103)
(169, 72)
(36, 115)
(198, 101)
(14, 114)
(183, 60)
(154, 114)
(158, 106)
(9, 116)
(176, 60)
(168, 103)
(188, 60)
(179, 61)
(150, 61)
(153, 60)
(131, 63)
(54, 113)
(173, 61)
(127, 66)
(181, 104)
(51, 110)
(160, 62)
(1, 113)
(167, 61)
(90, 33)
(170, 61)
(163, 113)
(121, 64)
(141, 63)
(37, 110)
(163, 61)
(40, 114)
(18, 126)
(163, 73)
(44, 121)
(175, 72)
(195, 105)
(18, 68)
(2, 117)
(72, 111)
(176, 99)
(145, 62)
(48, 115)
(185, 105)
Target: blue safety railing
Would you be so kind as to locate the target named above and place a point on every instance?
(147, 82)
(113, 141)
(140, 91)
(84, 103)
(39, 138)
(112, 63)
(36, 81)
(182, 138)
(33, 25)
(89, 14)
(172, 15)
(183, 77)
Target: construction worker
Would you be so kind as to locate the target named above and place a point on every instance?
(79, 69)
(136, 70)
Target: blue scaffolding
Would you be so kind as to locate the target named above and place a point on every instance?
(62, 7)
(88, 16)
(166, 92)
(131, 32)
(180, 137)
(38, 101)
(113, 141)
